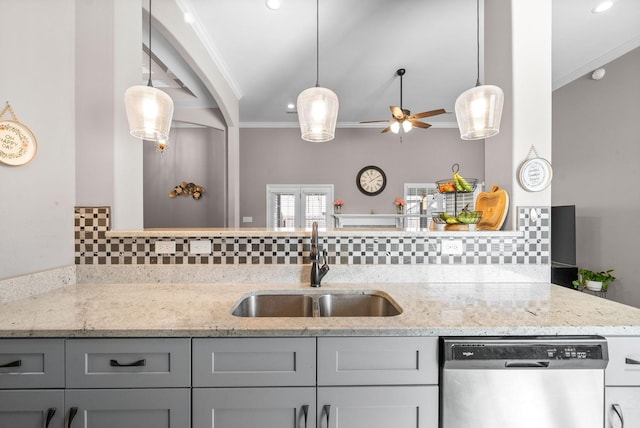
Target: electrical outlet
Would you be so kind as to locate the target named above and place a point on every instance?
(453, 247)
(165, 247)
(247, 219)
(200, 246)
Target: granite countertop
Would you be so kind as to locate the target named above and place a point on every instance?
(204, 310)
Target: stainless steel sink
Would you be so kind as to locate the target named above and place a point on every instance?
(372, 304)
(317, 304)
(275, 305)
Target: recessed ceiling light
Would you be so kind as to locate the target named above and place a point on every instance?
(189, 18)
(605, 5)
(273, 4)
(291, 105)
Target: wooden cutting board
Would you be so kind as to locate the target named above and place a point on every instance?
(494, 206)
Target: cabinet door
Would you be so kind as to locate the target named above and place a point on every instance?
(622, 403)
(377, 361)
(31, 363)
(31, 409)
(254, 362)
(140, 408)
(378, 407)
(624, 361)
(254, 407)
(128, 363)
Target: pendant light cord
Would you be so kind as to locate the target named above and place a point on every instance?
(477, 41)
(149, 82)
(317, 43)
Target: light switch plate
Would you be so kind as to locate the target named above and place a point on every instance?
(200, 246)
(452, 247)
(165, 247)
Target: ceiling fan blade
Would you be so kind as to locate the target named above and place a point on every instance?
(428, 113)
(377, 121)
(397, 112)
(387, 129)
(419, 124)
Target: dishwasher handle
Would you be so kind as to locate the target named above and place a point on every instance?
(526, 364)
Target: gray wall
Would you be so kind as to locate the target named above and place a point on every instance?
(596, 156)
(194, 155)
(37, 79)
(280, 156)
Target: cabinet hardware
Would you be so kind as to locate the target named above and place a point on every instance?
(305, 413)
(50, 413)
(327, 410)
(72, 414)
(139, 363)
(631, 361)
(16, 363)
(616, 408)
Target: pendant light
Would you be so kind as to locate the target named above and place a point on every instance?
(149, 110)
(317, 106)
(479, 109)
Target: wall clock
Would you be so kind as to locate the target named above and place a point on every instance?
(371, 180)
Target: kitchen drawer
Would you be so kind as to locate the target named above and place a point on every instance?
(31, 363)
(128, 363)
(377, 361)
(624, 361)
(254, 362)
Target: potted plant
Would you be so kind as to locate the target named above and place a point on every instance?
(594, 281)
(399, 203)
(337, 206)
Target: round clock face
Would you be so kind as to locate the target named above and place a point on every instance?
(371, 180)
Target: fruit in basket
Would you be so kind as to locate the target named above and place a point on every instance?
(447, 187)
(469, 217)
(461, 184)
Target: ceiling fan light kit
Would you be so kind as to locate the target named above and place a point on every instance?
(402, 116)
(317, 106)
(149, 110)
(479, 109)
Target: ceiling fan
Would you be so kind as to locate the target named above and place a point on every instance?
(403, 117)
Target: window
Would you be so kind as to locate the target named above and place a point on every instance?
(298, 206)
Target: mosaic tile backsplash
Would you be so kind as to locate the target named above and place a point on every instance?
(93, 247)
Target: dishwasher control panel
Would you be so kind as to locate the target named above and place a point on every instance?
(497, 351)
(543, 352)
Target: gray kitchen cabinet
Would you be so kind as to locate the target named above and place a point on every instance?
(378, 407)
(128, 383)
(31, 408)
(622, 381)
(31, 383)
(250, 382)
(254, 407)
(377, 382)
(140, 408)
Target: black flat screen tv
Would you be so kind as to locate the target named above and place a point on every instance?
(563, 235)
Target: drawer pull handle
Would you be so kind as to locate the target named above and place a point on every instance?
(16, 363)
(618, 410)
(50, 413)
(305, 413)
(72, 414)
(139, 363)
(327, 411)
(631, 361)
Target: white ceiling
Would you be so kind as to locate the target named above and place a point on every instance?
(270, 56)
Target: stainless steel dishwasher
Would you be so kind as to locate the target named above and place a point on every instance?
(522, 382)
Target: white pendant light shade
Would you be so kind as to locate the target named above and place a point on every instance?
(318, 114)
(479, 111)
(149, 111)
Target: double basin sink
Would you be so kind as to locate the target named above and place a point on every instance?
(361, 303)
